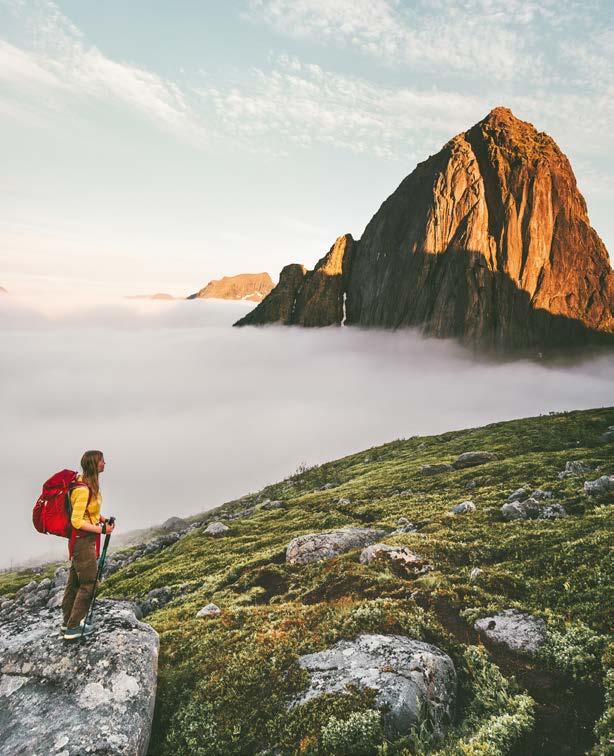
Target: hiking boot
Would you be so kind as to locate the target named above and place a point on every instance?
(74, 633)
(64, 628)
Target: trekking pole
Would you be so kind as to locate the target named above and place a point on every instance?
(101, 562)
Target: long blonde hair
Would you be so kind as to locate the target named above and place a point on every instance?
(89, 465)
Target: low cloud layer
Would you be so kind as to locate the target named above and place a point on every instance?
(191, 412)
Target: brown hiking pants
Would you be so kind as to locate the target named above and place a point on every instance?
(81, 581)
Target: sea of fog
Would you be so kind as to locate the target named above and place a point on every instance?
(191, 412)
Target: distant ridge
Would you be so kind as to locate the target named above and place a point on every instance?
(252, 287)
(487, 241)
(158, 296)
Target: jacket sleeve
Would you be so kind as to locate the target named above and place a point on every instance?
(78, 499)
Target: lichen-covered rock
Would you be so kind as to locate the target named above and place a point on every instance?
(415, 681)
(463, 508)
(608, 435)
(401, 553)
(529, 509)
(473, 459)
(209, 610)
(517, 631)
(600, 486)
(316, 546)
(435, 469)
(216, 529)
(475, 574)
(520, 494)
(553, 512)
(575, 467)
(73, 698)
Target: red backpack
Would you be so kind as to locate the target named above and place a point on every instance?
(52, 510)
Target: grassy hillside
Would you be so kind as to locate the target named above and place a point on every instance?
(224, 682)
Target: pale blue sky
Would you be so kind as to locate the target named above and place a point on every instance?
(151, 146)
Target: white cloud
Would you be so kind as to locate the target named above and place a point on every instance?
(470, 37)
(306, 105)
(52, 55)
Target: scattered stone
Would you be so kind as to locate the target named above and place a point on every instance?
(210, 610)
(529, 509)
(435, 469)
(517, 631)
(174, 523)
(471, 484)
(316, 546)
(553, 512)
(520, 494)
(272, 504)
(577, 467)
(343, 502)
(608, 435)
(463, 508)
(540, 495)
(472, 459)
(600, 486)
(216, 529)
(327, 486)
(415, 681)
(60, 577)
(475, 574)
(406, 492)
(115, 671)
(45, 584)
(375, 550)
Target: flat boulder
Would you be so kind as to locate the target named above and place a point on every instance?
(472, 459)
(415, 682)
(314, 547)
(600, 487)
(71, 698)
(517, 631)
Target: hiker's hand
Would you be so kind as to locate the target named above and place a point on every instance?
(110, 527)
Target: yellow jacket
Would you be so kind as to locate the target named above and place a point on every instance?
(81, 511)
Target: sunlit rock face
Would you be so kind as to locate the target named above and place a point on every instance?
(251, 287)
(487, 241)
(309, 297)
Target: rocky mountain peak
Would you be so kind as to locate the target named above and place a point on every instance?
(488, 241)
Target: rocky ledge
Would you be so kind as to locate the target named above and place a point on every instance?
(70, 698)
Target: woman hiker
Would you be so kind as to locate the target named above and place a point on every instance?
(84, 546)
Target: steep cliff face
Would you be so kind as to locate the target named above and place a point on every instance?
(488, 241)
(277, 306)
(252, 287)
(309, 297)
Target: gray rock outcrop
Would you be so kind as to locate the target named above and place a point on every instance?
(517, 631)
(175, 524)
(74, 698)
(576, 467)
(414, 681)
(316, 546)
(600, 486)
